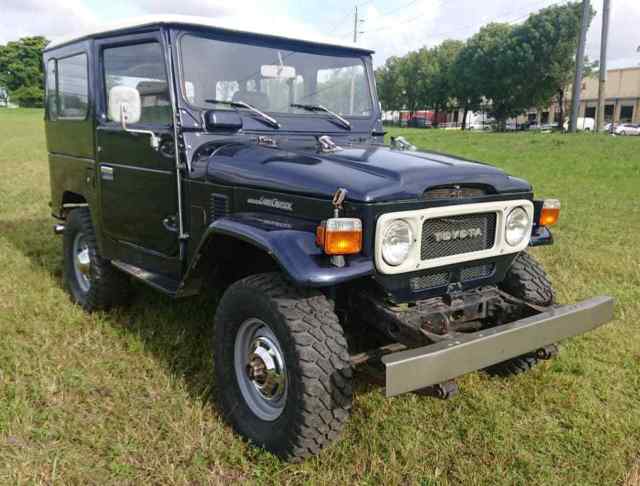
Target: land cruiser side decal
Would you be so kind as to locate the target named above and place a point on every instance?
(271, 202)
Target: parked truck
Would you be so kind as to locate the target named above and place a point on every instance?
(184, 153)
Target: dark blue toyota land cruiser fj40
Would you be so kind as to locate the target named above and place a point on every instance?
(183, 153)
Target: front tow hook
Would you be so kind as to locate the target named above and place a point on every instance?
(547, 352)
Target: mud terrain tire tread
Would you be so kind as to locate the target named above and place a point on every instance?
(317, 357)
(526, 280)
(109, 287)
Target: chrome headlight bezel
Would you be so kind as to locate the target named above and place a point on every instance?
(402, 231)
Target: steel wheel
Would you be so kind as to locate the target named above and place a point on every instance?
(82, 262)
(260, 369)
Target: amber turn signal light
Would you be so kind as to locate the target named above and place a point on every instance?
(550, 212)
(340, 236)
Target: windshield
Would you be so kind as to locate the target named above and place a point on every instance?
(272, 79)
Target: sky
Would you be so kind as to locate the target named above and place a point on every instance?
(390, 27)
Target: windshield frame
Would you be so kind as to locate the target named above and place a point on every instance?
(273, 42)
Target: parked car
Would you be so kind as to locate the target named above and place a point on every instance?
(582, 124)
(479, 125)
(202, 154)
(627, 129)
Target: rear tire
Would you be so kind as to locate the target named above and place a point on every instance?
(526, 280)
(282, 366)
(91, 281)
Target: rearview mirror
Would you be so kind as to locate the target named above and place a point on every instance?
(277, 72)
(124, 99)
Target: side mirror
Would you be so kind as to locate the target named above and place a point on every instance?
(124, 100)
(125, 107)
(219, 120)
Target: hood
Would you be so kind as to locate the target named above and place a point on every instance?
(370, 174)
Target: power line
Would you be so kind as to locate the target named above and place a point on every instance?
(458, 29)
(397, 23)
(392, 11)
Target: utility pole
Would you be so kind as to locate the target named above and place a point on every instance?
(577, 83)
(606, 7)
(355, 25)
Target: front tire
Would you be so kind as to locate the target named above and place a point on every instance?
(89, 279)
(282, 366)
(528, 281)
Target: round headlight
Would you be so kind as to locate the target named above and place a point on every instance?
(517, 227)
(396, 242)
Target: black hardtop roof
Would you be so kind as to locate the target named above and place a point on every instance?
(142, 24)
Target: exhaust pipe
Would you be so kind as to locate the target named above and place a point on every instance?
(58, 229)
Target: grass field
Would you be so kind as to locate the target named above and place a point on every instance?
(127, 397)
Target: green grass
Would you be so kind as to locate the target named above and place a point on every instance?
(127, 397)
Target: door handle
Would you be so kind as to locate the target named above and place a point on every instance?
(170, 224)
(106, 173)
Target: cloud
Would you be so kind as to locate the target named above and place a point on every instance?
(390, 27)
(396, 31)
(211, 8)
(624, 35)
(22, 18)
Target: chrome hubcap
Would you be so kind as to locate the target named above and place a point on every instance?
(260, 369)
(82, 262)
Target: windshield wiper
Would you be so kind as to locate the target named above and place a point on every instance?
(241, 104)
(344, 122)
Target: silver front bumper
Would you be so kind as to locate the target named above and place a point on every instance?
(436, 363)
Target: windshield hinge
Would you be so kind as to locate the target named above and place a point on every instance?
(326, 144)
(401, 143)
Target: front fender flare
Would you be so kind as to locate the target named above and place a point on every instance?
(294, 250)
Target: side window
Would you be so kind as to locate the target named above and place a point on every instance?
(140, 66)
(52, 90)
(73, 87)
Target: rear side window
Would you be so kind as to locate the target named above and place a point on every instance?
(73, 87)
(140, 66)
(52, 90)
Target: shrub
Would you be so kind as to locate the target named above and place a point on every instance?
(28, 96)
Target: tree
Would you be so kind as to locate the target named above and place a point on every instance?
(21, 68)
(550, 38)
(495, 61)
(466, 86)
(390, 84)
(441, 83)
(412, 80)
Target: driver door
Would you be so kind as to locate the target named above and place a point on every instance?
(137, 182)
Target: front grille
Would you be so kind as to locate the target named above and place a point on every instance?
(429, 281)
(455, 235)
(478, 271)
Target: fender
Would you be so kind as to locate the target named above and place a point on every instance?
(293, 248)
